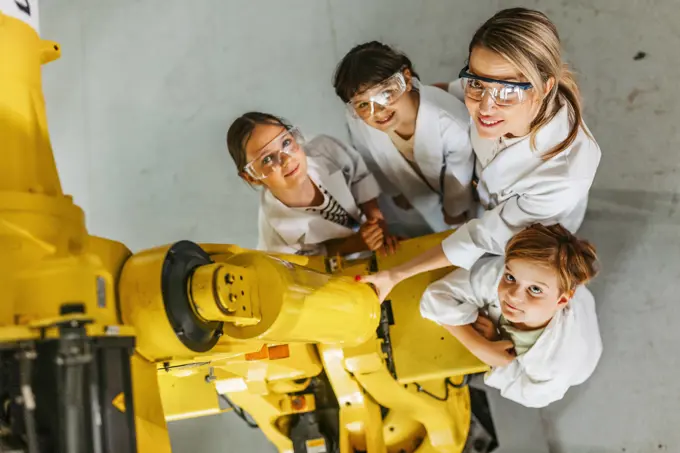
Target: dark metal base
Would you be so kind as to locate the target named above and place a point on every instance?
(179, 265)
(482, 437)
(56, 395)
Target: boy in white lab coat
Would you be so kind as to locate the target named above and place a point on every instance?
(318, 198)
(414, 138)
(527, 314)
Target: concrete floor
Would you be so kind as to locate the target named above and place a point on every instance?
(139, 105)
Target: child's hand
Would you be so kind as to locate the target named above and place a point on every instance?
(485, 327)
(402, 202)
(499, 353)
(371, 234)
(391, 242)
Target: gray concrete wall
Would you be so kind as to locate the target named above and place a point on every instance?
(140, 102)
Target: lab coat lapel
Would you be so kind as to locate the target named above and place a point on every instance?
(298, 225)
(540, 358)
(513, 163)
(396, 169)
(509, 166)
(427, 146)
(542, 353)
(393, 164)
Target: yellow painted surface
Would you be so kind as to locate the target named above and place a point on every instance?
(49, 258)
(422, 349)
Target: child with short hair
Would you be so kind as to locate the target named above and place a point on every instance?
(528, 314)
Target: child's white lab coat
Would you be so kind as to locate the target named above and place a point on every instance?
(337, 168)
(442, 151)
(565, 354)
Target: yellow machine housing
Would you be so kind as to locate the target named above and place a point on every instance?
(109, 346)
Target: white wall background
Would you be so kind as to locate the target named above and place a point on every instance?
(141, 100)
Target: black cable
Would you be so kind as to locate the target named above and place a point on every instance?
(447, 383)
(466, 380)
(243, 415)
(167, 367)
(432, 395)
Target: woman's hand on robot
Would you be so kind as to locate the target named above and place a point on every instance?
(382, 283)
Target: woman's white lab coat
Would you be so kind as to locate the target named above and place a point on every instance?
(443, 153)
(565, 354)
(519, 188)
(335, 167)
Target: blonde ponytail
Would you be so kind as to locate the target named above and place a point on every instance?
(566, 93)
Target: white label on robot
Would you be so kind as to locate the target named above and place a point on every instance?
(24, 10)
(316, 446)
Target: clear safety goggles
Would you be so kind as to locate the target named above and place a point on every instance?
(387, 92)
(275, 153)
(502, 92)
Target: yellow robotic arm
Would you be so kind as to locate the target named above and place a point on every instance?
(100, 348)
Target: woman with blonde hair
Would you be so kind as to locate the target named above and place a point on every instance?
(535, 158)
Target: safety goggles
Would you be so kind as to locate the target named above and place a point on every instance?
(387, 92)
(275, 153)
(502, 92)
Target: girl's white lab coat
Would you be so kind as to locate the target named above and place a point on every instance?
(565, 354)
(519, 188)
(337, 168)
(442, 151)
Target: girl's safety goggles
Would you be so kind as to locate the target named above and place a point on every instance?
(365, 104)
(273, 155)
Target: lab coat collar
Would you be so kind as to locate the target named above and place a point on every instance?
(512, 163)
(428, 137)
(392, 163)
(292, 224)
(544, 349)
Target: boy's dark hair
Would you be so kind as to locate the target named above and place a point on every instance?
(240, 131)
(365, 65)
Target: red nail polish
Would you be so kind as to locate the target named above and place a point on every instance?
(357, 278)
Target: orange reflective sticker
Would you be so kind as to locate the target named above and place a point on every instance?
(279, 352)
